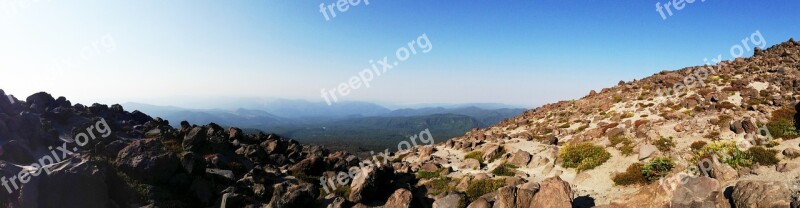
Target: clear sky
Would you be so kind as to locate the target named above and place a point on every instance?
(515, 52)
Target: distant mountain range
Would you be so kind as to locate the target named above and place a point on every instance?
(363, 125)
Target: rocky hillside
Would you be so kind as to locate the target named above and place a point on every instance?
(725, 136)
(724, 139)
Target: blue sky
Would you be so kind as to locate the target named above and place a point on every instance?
(516, 52)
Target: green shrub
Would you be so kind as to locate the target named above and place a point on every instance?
(665, 144)
(428, 175)
(478, 155)
(632, 175)
(583, 156)
(657, 168)
(763, 156)
(504, 169)
(484, 186)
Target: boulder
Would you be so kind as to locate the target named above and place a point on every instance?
(748, 126)
(76, 182)
(338, 202)
(463, 184)
(532, 186)
(646, 151)
(614, 132)
(450, 201)
(470, 164)
(481, 176)
(194, 140)
(787, 166)
(791, 152)
(480, 203)
(506, 197)
(429, 167)
(761, 194)
(520, 158)
(287, 194)
(525, 197)
(369, 182)
(309, 166)
(40, 101)
(723, 172)
(193, 164)
(401, 198)
(736, 127)
(551, 140)
(426, 151)
(490, 152)
(148, 160)
(553, 192)
(679, 128)
(698, 192)
(538, 161)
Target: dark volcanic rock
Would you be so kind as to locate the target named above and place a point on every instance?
(75, 182)
(148, 160)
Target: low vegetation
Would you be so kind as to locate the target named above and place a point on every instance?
(439, 185)
(639, 173)
(726, 151)
(342, 191)
(583, 156)
(782, 124)
(632, 175)
(762, 156)
(428, 175)
(665, 144)
(698, 145)
(504, 169)
(484, 186)
(478, 155)
(627, 145)
(713, 136)
(657, 168)
(729, 153)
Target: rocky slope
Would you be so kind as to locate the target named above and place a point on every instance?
(626, 146)
(725, 138)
